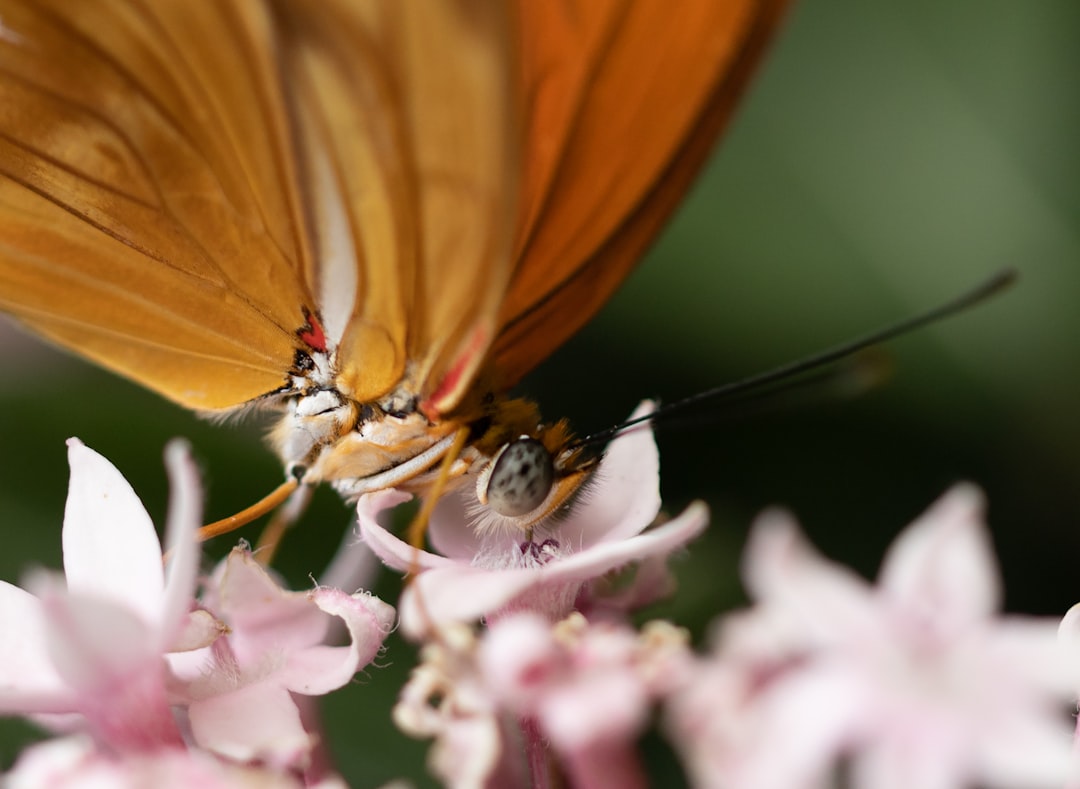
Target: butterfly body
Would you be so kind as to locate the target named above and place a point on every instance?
(325, 436)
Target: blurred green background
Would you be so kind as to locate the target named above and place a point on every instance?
(890, 155)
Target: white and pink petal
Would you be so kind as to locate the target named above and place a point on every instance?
(179, 625)
(463, 593)
(257, 721)
(320, 668)
(942, 566)
(623, 497)
(111, 549)
(26, 670)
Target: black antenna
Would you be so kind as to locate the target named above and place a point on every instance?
(984, 290)
(848, 378)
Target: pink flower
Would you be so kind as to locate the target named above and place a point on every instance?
(586, 689)
(124, 654)
(492, 573)
(447, 698)
(75, 763)
(1069, 631)
(495, 704)
(91, 655)
(240, 691)
(918, 679)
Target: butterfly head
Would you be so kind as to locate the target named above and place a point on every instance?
(529, 478)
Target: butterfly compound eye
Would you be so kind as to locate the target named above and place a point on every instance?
(521, 477)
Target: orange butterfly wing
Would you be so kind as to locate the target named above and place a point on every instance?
(148, 209)
(612, 142)
(180, 183)
(413, 105)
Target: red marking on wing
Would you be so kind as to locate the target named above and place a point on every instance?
(312, 333)
(432, 407)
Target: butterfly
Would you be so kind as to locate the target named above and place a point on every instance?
(370, 217)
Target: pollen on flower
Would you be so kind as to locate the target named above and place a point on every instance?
(567, 632)
(661, 633)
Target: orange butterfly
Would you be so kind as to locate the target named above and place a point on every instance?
(372, 217)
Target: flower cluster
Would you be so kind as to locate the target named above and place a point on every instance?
(533, 671)
(915, 682)
(572, 698)
(148, 684)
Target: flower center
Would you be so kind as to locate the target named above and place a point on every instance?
(536, 554)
